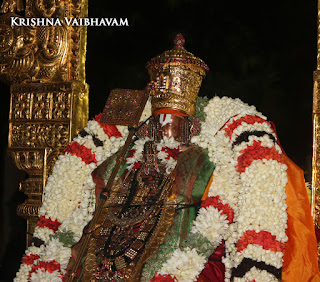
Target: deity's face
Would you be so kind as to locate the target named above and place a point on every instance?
(171, 125)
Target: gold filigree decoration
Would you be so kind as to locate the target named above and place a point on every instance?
(43, 118)
(32, 53)
(30, 160)
(49, 95)
(46, 8)
(176, 77)
(123, 107)
(154, 219)
(90, 264)
(32, 186)
(39, 134)
(11, 6)
(29, 209)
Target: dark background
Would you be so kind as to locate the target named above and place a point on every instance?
(261, 52)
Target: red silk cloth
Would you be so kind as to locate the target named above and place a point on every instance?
(214, 270)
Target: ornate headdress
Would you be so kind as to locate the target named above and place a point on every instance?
(176, 77)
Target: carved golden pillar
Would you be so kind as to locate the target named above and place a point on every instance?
(49, 95)
(316, 139)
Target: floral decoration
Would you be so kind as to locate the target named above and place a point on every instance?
(48, 222)
(163, 278)
(250, 178)
(168, 151)
(69, 201)
(248, 182)
(224, 208)
(184, 265)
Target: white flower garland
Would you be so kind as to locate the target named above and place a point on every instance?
(69, 196)
(260, 188)
(162, 155)
(211, 224)
(184, 265)
(138, 152)
(46, 276)
(255, 274)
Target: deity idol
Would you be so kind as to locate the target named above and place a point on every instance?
(203, 192)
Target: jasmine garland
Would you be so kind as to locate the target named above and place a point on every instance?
(248, 182)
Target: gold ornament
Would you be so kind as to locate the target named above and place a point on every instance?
(176, 77)
(45, 66)
(43, 118)
(11, 6)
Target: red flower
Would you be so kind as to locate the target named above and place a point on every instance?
(216, 202)
(173, 153)
(48, 222)
(29, 259)
(163, 278)
(75, 149)
(131, 153)
(49, 266)
(98, 117)
(109, 129)
(257, 152)
(247, 119)
(262, 238)
(136, 165)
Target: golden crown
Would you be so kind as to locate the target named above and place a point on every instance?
(176, 77)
